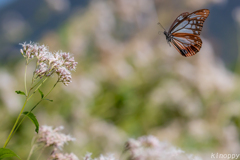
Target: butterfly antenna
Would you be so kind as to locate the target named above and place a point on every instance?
(161, 26)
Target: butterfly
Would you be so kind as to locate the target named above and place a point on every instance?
(185, 30)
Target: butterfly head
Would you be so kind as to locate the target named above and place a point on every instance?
(168, 37)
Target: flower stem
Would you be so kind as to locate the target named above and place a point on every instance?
(31, 152)
(37, 88)
(43, 98)
(25, 78)
(25, 83)
(37, 84)
(10, 135)
(41, 153)
(34, 107)
(14, 129)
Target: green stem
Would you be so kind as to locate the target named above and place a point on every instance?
(10, 135)
(37, 87)
(14, 129)
(36, 84)
(42, 98)
(34, 107)
(41, 153)
(25, 78)
(31, 151)
(25, 83)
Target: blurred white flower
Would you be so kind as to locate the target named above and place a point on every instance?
(107, 133)
(149, 147)
(231, 137)
(61, 156)
(202, 3)
(140, 12)
(52, 137)
(9, 98)
(105, 16)
(211, 74)
(144, 53)
(14, 26)
(122, 69)
(170, 90)
(86, 86)
(236, 15)
(101, 157)
(199, 129)
(59, 5)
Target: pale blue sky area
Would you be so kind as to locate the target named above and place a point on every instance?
(5, 2)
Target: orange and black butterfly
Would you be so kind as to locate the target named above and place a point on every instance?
(185, 30)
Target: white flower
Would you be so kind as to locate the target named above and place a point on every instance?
(87, 156)
(149, 147)
(61, 156)
(53, 137)
(33, 50)
(101, 157)
(64, 75)
(49, 63)
(41, 69)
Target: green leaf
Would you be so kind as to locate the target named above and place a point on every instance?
(4, 153)
(20, 92)
(33, 118)
(42, 95)
(48, 100)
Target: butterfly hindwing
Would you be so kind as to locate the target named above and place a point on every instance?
(189, 44)
(179, 47)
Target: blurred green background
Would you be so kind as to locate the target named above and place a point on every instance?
(128, 82)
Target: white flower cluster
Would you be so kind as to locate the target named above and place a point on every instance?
(53, 137)
(101, 157)
(149, 147)
(61, 156)
(49, 63)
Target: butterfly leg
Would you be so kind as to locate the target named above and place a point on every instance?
(169, 43)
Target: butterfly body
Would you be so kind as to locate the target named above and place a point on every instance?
(185, 30)
(168, 36)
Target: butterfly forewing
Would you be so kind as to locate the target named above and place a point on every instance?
(178, 20)
(192, 23)
(185, 30)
